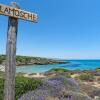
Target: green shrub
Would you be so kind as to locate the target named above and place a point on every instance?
(23, 85)
(77, 70)
(98, 69)
(59, 70)
(1, 61)
(1, 88)
(86, 76)
(2, 58)
(1, 74)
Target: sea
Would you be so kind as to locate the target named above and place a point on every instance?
(72, 65)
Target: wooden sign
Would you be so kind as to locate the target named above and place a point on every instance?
(17, 13)
(14, 13)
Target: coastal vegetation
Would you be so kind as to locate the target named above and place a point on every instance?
(1, 74)
(60, 87)
(59, 70)
(27, 60)
(86, 76)
(2, 58)
(98, 69)
(23, 85)
(58, 84)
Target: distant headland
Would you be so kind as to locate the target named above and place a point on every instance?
(28, 60)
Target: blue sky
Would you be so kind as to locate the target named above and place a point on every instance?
(68, 29)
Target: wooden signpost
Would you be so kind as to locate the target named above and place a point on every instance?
(14, 13)
(17, 13)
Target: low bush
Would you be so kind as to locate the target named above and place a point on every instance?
(59, 70)
(1, 74)
(53, 88)
(1, 88)
(98, 69)
(2, 58)
(86, 76)
(23, 85)
(77, 70)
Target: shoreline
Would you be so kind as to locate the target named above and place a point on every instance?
(2, 68)
(42, 64)
(28, 60)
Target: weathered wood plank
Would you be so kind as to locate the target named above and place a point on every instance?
(10, 68)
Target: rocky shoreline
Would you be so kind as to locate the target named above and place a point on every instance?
(26, 60)
(40, 63)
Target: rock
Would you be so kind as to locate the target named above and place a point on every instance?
(2, 68)
(96, 98)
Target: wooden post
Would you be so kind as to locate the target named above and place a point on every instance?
(10, 67)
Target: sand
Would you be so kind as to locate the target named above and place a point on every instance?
(38, 75)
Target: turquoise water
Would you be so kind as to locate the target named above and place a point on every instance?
(74, 64)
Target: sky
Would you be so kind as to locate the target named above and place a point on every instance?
(67, 29)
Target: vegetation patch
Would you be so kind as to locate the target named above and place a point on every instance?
(98, 69)
(2, 58)
(23, 85)
(1, 88)
(1, 74)
(86, 76)
(59, 70)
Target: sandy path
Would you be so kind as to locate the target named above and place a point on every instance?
(38, 75)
